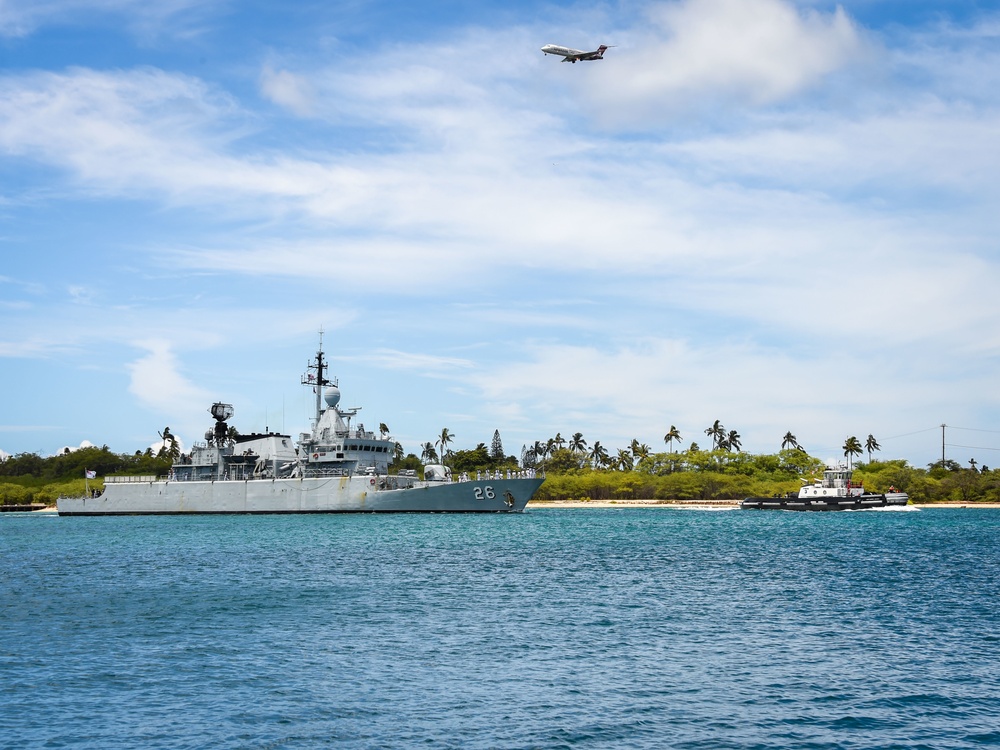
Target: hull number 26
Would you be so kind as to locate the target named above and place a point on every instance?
(486, 493)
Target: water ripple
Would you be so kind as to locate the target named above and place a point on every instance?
(575, 629)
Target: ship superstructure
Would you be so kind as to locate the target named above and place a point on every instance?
(334, 448)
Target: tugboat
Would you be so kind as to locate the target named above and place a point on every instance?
(335, 468)
(836, 491)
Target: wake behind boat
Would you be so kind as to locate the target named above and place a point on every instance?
(835, 491)
(335, 468)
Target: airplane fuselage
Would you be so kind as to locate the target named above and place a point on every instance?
(568, 54)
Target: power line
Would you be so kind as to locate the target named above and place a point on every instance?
(918, 432)
(971, 447)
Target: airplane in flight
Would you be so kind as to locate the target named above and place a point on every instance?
(572, 55)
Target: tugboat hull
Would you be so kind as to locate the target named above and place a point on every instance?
(857, 502)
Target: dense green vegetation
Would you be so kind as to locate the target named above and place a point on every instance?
(578, 471)
(29, 478)
(708, 475)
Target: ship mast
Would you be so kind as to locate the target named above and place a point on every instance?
(319, 380)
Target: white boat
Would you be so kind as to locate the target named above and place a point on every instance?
(334, 468)
(836, 491)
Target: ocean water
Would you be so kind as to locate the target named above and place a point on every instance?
(638, 628)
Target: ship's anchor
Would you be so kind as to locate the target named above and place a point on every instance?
(508, 498)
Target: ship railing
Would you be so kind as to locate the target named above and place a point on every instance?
(393, 482)
(496, 475)
(317, 472)
(132, 479)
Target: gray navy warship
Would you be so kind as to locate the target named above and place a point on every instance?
(334, 468)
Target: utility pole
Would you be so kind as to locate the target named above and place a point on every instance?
(942, 445)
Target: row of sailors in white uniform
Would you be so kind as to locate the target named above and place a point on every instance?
(480, 475)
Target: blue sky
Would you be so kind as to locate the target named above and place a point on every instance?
(781, 215)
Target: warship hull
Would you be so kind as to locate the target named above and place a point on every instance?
(354, 494)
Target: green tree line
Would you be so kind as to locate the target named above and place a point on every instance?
(715, 475)
(28, 478)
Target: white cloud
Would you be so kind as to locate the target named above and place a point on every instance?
(427, 364)
(847, 231)
(638, 391)
(155, 379)
(29, 346)
(19, 18)
(696, 52)
(71, 449)
(288, 90)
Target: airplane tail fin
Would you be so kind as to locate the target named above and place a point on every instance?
(601, 49)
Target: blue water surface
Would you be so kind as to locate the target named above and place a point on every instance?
(602, 628)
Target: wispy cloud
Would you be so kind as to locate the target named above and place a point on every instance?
(739, 191)
(28, 427)
(288, 90)
(19, 18)
(699, 53)
(156, 379)
(413, 361)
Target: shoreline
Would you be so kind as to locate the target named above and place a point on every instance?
(706, 504)
(676, 504)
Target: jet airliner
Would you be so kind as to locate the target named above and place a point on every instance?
(572, 55)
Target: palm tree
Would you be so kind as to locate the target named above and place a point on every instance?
(540, 450)
(718, 434)
(789, 441)
(671, 436)
(639, 451)
(623, 460)
(972, 463)
(559, 441)
(427, 453)
(383, 429)
(732, 441)
(231, 434)
(446, 437)
(170, 448)
(852, 447)
(598, 455)
(871, 444)
(397, 452)
(166, 437)
(578, 443)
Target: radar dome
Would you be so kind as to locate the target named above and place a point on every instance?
(332, 395)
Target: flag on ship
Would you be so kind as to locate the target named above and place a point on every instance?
(91, 474)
